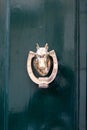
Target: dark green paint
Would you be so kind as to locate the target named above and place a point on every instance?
(31, 107)
(4, 50)
(24, 106)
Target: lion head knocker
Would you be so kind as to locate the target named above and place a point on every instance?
(42, 61)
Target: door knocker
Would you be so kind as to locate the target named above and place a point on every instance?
(42, 66)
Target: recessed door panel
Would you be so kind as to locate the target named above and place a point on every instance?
(31, 107)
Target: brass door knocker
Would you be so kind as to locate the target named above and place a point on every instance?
(42, 61)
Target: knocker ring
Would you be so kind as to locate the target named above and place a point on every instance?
(42, 66)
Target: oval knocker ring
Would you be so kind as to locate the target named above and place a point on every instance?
(42, 66)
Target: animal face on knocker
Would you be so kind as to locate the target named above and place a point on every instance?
(42, 61)
(42, 66)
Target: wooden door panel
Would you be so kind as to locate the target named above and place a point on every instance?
(29, 106)
(61, 24)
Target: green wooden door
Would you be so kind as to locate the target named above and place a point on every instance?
(24, 106)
